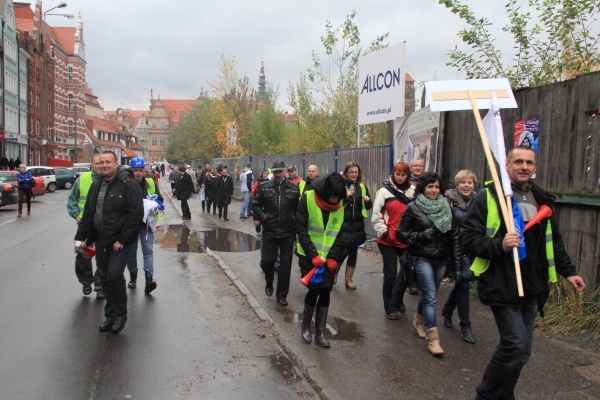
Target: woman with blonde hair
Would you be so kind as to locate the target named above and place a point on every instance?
(26, 182)
(460, 200)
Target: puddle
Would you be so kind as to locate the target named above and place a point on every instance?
(336, 329)
(284, 366)
(182, 239)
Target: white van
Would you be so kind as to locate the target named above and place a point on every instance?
(47, 173)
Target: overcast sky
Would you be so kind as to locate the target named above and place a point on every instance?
(173, 46)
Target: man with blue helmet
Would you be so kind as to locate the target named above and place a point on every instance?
(146, 234)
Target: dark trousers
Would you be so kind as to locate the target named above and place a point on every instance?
(268, 255)
(27, 193)
(391, 256)
(223, 209)
(111, 266)
(459, 299)
(515, 326)
(211, 201)
(85, 272)
(185, 208)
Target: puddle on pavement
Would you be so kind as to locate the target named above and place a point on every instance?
(337, 328)
(284, 366)
(183, 239)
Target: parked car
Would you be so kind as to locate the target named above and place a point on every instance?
(65, 177)
(8, 188)
(80, 170)
(11, 176)
(47, 173)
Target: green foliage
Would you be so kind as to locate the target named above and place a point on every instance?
(266, 132)
(553, 40)
(325, 101)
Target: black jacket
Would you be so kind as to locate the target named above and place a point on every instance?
(275, 206)
(184, 187)
(442, 245)
(210, 185)
(122, 211)
(353, 229)
(498, 285)
(224, 189)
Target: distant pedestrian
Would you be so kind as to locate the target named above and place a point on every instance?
(111, 220)
(147, 227)
(246, 179)
(305, 184)
(11, 164)
(224, 192)
(210, 190)
(201, 186)
(292, 175)
(319, 221)
(264, 177)
(4, 163)
(357, 202)
(389, 205)
(184, 189)
(274, 206)
(17, 162)
(26, 182)
(162, 169)
(174, 177)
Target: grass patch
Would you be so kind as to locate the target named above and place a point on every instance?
(571, 313)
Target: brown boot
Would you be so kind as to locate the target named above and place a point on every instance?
(349, 273)
(434, 342)
(419, 327)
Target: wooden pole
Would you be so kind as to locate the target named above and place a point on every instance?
(507, 216)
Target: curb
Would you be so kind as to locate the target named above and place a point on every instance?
(306, 369)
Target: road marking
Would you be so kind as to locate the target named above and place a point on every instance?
(8, 222)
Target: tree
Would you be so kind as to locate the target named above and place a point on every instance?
(267, 133)
(563, 45)
(328, 95)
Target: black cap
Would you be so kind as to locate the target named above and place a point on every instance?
(278, 165)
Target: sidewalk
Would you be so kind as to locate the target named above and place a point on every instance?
(372, 357)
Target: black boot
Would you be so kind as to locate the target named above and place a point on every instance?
(321, 322)
(133, 280)
(308, 314)
(468, 335)
(150, 284)
(447, 318)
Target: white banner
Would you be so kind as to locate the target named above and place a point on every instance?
(381, 85)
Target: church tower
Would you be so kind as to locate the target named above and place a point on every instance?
(261, 83)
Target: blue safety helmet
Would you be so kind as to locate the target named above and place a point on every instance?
(137, 162)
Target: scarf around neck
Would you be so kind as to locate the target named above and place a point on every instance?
(438, 211)
(325, 206)
(458, 199)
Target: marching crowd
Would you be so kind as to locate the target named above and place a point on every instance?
(429, 232)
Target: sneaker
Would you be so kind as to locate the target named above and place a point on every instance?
(100, 294)
(87, 289)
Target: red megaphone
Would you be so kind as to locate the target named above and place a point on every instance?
(544, 212)
(305, 281)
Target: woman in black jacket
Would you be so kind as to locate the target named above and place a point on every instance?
(432, 236)
(210, 190)
(356, 204)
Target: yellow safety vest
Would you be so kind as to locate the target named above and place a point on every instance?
(152, 190)
(301, 186)
(322, 237)
(85, 181)
(492, 224)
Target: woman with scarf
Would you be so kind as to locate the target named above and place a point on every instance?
(26, 182)
(460, 200)
(390, 202)
(432, 236)
(356, 204)
(319, 219)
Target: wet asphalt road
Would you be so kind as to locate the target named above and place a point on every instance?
(195, 337)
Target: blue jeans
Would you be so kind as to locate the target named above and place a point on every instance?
(147, 241)
(515, 326)
(430, 273)
(245, 205)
